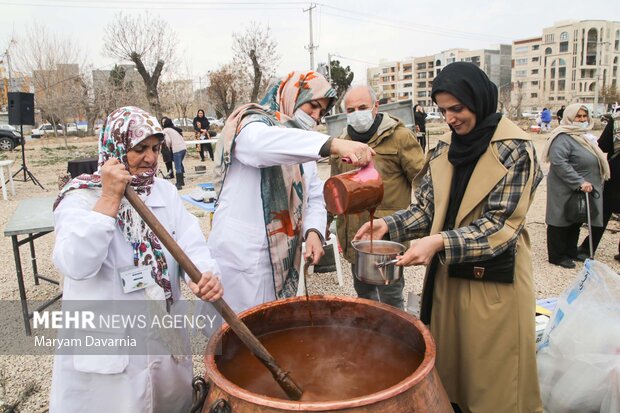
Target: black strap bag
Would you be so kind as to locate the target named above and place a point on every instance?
(576, 210)
(500, 268)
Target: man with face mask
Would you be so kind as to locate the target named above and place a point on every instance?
(398, 159)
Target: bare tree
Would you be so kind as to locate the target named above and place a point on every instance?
(256, 51)
(56, 64)
(146, 41)
(228, 86)
(517, 97)
(115, 88)
(178, 96)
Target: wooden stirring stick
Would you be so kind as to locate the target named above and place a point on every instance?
(283, 378)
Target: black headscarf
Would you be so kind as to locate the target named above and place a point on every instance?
(472, 87)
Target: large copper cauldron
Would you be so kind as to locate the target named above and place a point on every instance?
(421, 391)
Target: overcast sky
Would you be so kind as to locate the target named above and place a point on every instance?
(362, 32)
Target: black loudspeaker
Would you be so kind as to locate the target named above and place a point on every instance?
(21, 108)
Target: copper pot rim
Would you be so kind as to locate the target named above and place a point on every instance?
(424, 369)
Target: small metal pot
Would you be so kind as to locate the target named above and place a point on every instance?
(377, 267)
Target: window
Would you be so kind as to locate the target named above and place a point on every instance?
(422, 94)
(407, 68)
(521, 73)
(535, 47)
(408, 85)
(563, 36)
(534, 71)
(591, 48)
(437, 63)
(407, 77)
(563, 47)
(535, 59)
(421, 66)
(421, 84)
(534, 82)
(533, 95)
(521, 62)
(617, 41)
(422, 75)
(549, 38)
(451, 60)
(562, 72)
(548, 50)
(561, 85)
(521, 49)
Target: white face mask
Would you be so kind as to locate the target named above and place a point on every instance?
(583, 125)
(360, 120)
(304, 120)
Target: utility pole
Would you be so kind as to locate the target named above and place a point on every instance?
(311, 46)
(329, 66)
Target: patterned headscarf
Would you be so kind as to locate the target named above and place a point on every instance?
(125, 128)
(580, 135)
(281, 186)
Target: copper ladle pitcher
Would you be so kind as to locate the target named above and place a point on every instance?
(355, 191)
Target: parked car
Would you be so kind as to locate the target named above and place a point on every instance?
(215, 122)
(9, 139)
(46, 129)
(7, 127)
(181, 122)
(433, 116)
(530, 115)
(73, 127)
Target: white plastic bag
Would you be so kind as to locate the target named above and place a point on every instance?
(579, 354)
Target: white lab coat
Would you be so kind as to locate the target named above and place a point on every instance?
(238, 239)
(89, 249)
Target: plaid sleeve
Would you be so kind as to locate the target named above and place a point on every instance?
(415, 221)
(471, 243)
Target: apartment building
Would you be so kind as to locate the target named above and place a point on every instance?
(573, 61)
(412, 78)
(392, 80)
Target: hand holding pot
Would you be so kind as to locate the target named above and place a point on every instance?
(358, 153)
(380, 228)
(421, 251)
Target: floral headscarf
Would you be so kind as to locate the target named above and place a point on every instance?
(580, 135)
(125, 128)
(281, 186)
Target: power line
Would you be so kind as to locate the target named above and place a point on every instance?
(404, 26)
(185, 5)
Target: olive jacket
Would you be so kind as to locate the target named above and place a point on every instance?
(399, 159)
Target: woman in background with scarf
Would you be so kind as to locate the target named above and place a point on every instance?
(270, 197)
(201, 127)
(100, 242)
(576, 164)
(468, 223)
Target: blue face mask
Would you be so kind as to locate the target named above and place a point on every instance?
(583, 125)
(304, 120)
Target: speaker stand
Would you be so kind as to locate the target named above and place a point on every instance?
(27, 174)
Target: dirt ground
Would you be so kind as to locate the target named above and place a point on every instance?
(47, 160)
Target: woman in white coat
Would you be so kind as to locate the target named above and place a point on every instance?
(98, 237)
(271, 198)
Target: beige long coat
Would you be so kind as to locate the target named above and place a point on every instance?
(485, 331)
